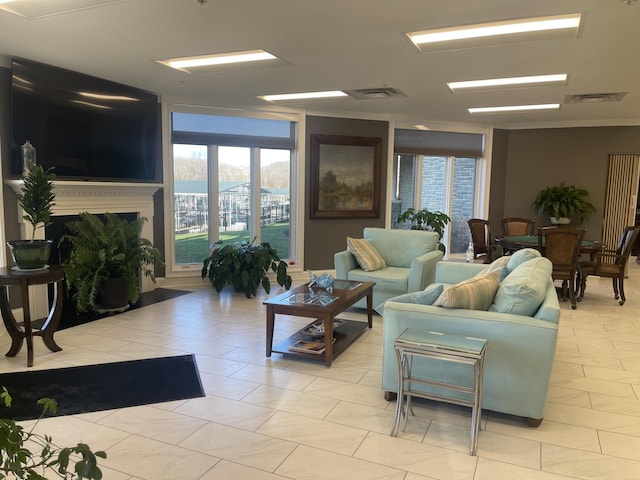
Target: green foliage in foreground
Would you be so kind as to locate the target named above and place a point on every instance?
(42, 456)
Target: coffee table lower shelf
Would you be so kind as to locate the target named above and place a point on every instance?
(345, 335)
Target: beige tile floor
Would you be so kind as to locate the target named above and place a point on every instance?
(280, 418)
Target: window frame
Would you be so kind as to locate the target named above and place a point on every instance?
(174, 269)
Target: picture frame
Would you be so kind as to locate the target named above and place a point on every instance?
(345, 176)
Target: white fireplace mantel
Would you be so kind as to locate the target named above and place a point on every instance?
(73, 198)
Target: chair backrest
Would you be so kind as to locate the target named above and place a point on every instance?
(627, 241)
(517, 226)
(561, 245)
(480, 235)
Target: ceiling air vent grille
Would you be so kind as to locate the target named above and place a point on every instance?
(375, 93)
(594, 97)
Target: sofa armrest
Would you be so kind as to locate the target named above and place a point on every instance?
(455, 272)
(344, 262)
(422, 272)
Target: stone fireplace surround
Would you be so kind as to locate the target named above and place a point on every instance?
(73, 198)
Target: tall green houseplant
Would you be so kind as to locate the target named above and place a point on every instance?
(106, 249)
(425, 219)
(37, 199)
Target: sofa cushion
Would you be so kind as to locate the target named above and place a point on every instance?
(366, 255)
(391, 279)
(424, 297)
(498, 264)
(475, 293)
(399, 248)
(524, 289)
(521, 256)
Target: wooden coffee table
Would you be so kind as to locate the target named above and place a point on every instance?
(293, 303)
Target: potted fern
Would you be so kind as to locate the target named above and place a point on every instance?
(244, 265)
(36, 198)
(563, 203)
(105, 260)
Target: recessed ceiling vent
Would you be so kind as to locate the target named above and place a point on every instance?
(375, 93)
(594, 97)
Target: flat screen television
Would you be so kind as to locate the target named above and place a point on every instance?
(87, 128)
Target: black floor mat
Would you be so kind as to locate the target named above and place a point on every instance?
(105, 386)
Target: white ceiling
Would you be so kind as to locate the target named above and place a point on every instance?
(343, 45)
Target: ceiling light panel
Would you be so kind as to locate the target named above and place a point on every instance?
(218, 61)
(495, 33)
(514, 108)
(508, 82)
(46, 8)
(283, 97)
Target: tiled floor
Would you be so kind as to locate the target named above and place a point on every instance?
(277, 418)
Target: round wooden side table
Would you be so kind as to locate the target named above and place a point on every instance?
(9, 277)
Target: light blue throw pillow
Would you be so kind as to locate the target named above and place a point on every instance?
(524, 289)
(521, 256)
(424, 297)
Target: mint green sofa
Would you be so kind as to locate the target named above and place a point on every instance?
(520, 347)
(410, 255)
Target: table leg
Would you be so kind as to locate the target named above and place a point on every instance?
(10, 323)
(328, 339)
(270, 325)
(26, 317)
(370, 308)
(50, 325)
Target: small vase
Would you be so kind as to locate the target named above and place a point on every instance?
(560, 221)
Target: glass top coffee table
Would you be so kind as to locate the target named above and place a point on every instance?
(318, 340)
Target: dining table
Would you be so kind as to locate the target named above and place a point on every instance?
(517, 242)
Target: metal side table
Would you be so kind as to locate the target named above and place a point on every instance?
(445, 347)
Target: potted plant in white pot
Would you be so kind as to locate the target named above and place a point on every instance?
(36, 198)
(563, 203)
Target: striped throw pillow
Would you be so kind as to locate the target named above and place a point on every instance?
(475, 293)
(367, 257)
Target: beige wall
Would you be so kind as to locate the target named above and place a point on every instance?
(578, 156)
(324, 237)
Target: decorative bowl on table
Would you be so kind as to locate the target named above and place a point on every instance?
(316, 329)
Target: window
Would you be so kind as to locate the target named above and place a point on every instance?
(232, 182)
(438, 181)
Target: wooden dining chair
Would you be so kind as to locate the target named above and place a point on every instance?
(609, 263)
(517, 226)
(484, 246)
(561, 245)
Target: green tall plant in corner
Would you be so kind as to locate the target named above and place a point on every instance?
(26, 454)
(426, 220)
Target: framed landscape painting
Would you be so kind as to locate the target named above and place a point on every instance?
(345, 176)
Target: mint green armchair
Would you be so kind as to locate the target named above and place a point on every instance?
(410, 256)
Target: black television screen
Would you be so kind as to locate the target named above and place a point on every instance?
(86, 127)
